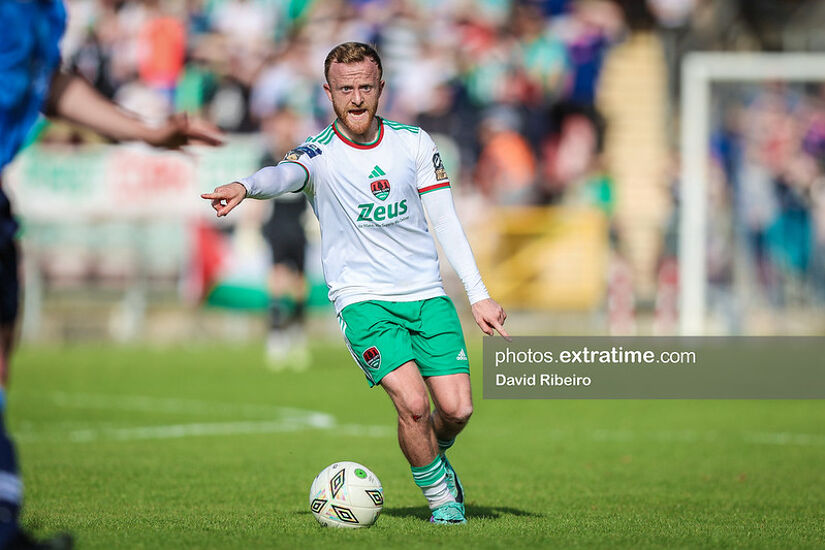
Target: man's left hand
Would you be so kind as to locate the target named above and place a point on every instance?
(490, 316)
(180, 129)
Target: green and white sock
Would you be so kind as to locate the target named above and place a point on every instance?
(432, 480)
(443, 445)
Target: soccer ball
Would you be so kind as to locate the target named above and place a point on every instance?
(346, 494)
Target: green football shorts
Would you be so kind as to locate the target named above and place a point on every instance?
(382, 336)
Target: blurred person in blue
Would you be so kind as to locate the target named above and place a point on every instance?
(33, 84)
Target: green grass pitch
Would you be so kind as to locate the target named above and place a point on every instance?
(203, 447)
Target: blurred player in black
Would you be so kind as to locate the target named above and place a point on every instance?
(285, 234)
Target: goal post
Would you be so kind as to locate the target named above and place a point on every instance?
(699, 72)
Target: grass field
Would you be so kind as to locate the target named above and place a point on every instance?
(206, 448)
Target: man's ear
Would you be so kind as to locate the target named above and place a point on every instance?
(380, 88)
(328, 91)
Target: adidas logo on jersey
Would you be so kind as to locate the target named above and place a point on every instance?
(377, 172)
(462, 355)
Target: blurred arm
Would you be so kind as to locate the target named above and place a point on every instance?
(441, 211)
(74, 99)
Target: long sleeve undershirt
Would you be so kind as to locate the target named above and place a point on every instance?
(441, 211)
(272, 181)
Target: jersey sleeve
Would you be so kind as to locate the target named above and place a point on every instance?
(430, 172)
(307, 156)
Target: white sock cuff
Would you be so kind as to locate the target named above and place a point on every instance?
(11, 488)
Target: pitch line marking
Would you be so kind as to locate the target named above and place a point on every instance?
(142, 403)
(293, 419)
(711, 436)
(178, 431)
(689, 436)
(784, 438)
(286, 419)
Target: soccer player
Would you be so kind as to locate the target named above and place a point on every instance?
(286, 345)
(370, 181)
(31, 83)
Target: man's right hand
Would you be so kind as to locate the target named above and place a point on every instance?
(226, 197)
(489, 316)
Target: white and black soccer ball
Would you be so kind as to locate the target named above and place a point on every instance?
(346, 494)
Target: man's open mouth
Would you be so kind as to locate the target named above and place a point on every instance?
(357, 112)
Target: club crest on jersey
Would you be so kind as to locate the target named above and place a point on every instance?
(380, 188)
(372, 357)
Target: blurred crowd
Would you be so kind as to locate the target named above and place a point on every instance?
(768, 191)
(510, 91)
(507, 87)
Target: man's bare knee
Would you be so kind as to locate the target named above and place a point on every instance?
(414, 409)
(458, 415)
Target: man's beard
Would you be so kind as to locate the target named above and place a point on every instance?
(356, 127)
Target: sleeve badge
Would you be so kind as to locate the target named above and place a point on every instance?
(308, 149)
(440, 172)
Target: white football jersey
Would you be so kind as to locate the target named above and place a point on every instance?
(374, 238)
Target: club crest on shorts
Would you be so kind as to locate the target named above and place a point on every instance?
(380, 188)
(372, 357)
